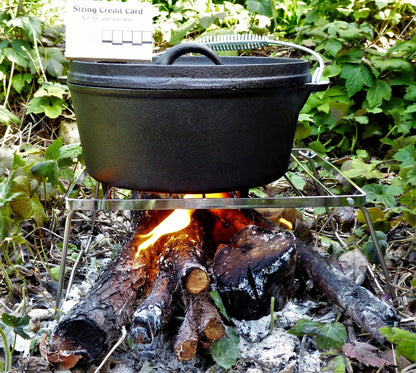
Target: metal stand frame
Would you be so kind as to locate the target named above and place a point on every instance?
(355, 198)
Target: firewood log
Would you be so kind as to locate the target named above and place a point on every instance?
(96, 321)
(202, 323)
(258, 265)
(366, 310)
(360, 304)
(179, 263)
(156, 310)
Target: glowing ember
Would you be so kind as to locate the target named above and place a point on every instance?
(176, 221)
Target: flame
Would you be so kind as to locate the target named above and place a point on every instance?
(286, 223)
(176, 221)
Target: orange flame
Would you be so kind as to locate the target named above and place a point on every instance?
(286, 223)
(176, 221)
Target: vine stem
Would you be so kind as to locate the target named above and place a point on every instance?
(38, 56)
(9, 86)
(7, 353)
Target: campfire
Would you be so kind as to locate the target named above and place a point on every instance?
(172, 262)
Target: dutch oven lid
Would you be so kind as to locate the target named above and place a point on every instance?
(172, 70)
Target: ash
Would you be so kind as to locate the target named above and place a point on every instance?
(261, 349)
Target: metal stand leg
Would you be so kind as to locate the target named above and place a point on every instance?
(65, 251)
(63, 258)
(379, 252)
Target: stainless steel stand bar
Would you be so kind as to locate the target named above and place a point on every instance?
(355, 197)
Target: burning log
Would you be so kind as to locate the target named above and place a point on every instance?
(202, 323)
(155, 312)
(259, 265)
(95, 322)
(179, 263)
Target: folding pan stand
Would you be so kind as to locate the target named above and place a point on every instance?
(302, 157)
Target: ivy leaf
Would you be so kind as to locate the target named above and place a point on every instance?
(20, 80)
(409, 212)
(26, 205)
(357, 168)
(52, 60)
(382, 194)
(336, 365)
(17, 323)
(410, 93)
(327, 335)
(262, 7)
(6, 194)
(356, 77)
(55, 107)
(48, 170)
(225, 352)
(406, 156)
(405, 341)
(51, 106)
(53, 150)
(179, 33)
(333, 46)
(410, 216)
(378, 91)
(7, 116)
(17, 53)
(220, 305)
(369, 249)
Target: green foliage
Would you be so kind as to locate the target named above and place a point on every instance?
(369, 248)
(26, 65)
(220, 305)
(33, 182)
(225, 352)
(327, 335)
(405, 341)
(17, 323)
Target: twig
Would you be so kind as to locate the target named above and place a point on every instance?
(9, 85)
(118, 343)
(38, 56)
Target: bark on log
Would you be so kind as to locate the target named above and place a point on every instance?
(95, 322)
(258, 265)
(359, 303)
(179, 264)
(202, 323)
(156, 310)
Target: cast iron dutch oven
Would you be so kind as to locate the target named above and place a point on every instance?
(189, 124)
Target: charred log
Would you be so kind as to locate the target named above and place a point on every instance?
(360, 304)
(258, 265)
(95, 323)
(156, 310)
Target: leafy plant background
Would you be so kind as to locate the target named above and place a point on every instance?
(365, 121)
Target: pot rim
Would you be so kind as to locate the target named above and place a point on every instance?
(192, 72)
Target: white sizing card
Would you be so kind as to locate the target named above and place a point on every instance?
(115, 31)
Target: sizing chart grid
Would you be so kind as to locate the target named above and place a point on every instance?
(123, 37)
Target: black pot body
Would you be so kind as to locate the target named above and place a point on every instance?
(199, 138)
